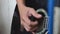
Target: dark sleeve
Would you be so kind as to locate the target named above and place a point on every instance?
(57, 3)
(36, 4)
(15, 22)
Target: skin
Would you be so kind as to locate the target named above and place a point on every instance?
(25, 12)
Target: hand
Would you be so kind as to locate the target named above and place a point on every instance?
(25, 12)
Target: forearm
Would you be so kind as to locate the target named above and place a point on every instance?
(20, 3)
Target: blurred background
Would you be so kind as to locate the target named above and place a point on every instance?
(6, 13)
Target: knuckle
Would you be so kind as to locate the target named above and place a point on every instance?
(23, 18)
(32, 8)
(28, 30)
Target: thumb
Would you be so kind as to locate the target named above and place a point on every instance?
(35, 14)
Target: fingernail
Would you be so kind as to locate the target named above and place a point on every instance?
(40, 15)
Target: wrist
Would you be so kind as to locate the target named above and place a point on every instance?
(21, 3)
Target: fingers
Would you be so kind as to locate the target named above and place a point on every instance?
(34, 23)
(35, 14)
(28, 22)
(25, 21)
(33, 33)
(26, 26)
(34, 29)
